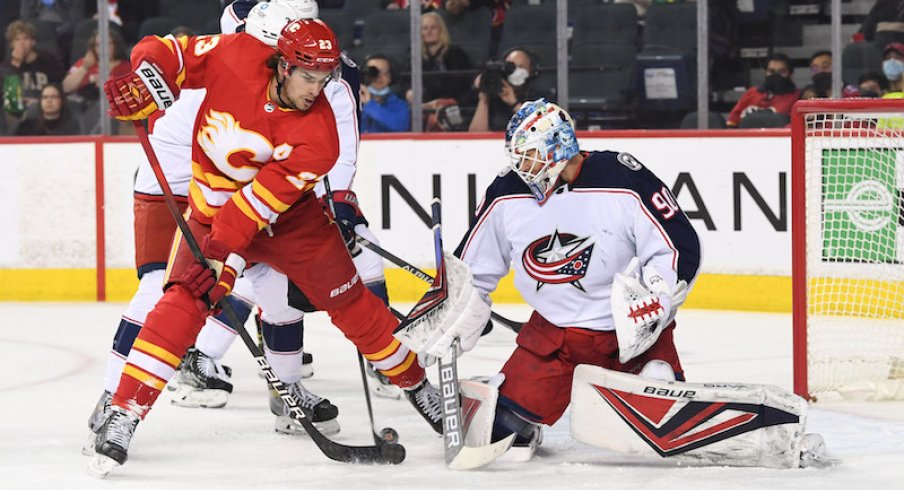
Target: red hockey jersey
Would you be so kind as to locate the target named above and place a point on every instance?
(251, 159)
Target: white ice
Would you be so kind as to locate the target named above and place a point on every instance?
(52, 360)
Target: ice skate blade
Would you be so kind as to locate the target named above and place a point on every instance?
(101, 466)
(389, 392)
(189, 397)
(88, 447)
(287, 425)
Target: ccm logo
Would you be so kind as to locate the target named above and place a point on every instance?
(162, 95)
(345, 287)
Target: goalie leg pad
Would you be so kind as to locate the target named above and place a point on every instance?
(732, 424)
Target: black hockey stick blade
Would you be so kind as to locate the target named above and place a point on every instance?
(382, 454)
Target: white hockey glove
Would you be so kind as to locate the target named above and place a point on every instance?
(463, 315)
(640, 310)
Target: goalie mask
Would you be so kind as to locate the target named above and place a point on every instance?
(266, 20)
(539, 141)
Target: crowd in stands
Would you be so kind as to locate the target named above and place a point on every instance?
(468, 84)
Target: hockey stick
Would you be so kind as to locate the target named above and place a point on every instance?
(387, 434)
(384, 453)
(457, 455)
(408, 267)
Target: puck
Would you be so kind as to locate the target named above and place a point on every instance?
(389, 435)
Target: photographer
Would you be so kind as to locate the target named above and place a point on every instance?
(502, 87)
(382, 111)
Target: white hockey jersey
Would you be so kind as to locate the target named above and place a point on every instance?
(566, 252)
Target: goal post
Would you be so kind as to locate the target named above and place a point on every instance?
(848, 248)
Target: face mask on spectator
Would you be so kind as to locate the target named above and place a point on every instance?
(869, 94)
(378, 92)
(518, 77)
(822, 81)
(778, 84)
(893, 69)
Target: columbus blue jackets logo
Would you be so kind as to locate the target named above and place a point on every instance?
(560, 258)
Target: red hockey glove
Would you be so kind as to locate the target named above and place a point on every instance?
(214, 280)
(136, 95)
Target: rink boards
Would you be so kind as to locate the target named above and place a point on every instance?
(67, 225)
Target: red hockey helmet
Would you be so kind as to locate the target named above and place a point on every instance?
(309, 44)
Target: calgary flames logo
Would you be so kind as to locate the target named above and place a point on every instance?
(231, 147)
(558, 259)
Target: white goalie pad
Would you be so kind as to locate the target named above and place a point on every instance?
(733, 424)
(440, 318)
(478, 410)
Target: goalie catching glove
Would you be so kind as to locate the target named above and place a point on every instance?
(136, 95)
(642, 310)
(462, 315)
(212, 281)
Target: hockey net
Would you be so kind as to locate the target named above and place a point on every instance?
(848, 249)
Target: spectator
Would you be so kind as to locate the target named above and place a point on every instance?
(426, 5)
(884, 23)
(811, 92)
(51, 118)
(382, 111)
(497, 102)
(439, 56)
(893, 68)
(821, 72)
(63, 15)
(777, 93)
(81, 81)
(872, 84)
(26, 71)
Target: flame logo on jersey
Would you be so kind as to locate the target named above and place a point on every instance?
(559, 258)
(231, 147)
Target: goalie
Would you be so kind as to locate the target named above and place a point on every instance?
(605, 256)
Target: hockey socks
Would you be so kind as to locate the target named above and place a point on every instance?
(122, 343)
(218, 333)
(283, 349)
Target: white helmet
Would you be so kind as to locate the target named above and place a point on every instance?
(305, 9)
(266, 20)
(542, 134)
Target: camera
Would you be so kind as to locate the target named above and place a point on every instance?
(493, 74)
(370, 74)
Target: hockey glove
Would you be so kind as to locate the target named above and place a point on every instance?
(640, 310)
(136, 95)
(214, 280)
(347, 214)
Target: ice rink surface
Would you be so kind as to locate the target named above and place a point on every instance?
(52, 364)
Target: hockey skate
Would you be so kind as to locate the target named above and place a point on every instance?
(381, 386)
(428, 401)
(322, 413)
(524, 448)
(112, 442)
(813, 452)
(224, 372)
(96, 421)
(203, 382)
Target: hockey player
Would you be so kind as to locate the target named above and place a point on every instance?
(171, 136)
(264, 139)
(605, 256)
(200, 386)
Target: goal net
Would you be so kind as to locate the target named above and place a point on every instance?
(848, 249)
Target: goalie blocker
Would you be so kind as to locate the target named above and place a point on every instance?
(734, 424)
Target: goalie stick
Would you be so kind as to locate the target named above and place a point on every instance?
(408, 267)
(457, 455)
(382, 454)
(388, 434)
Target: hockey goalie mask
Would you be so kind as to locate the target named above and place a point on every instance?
(310, 45)
(539, 141)
(266, 20)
